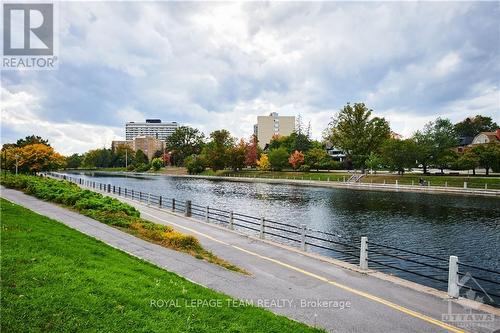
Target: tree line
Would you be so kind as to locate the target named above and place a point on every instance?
(367, 142)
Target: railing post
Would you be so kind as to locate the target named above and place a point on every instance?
(149, 199)
(119, 190)
(173, 205)
(125, 192)
(262, 221)
(207, 210)
(133, 198)
(113, 189)
(363, 253)
(303, 237)
(140, 196)
(159, 202)
(453, 287)
(231, 219)
(188, 208)
(109, 188)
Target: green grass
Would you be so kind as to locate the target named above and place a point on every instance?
(57, 279)
(451, 181)
(112, 212)
(434, 180)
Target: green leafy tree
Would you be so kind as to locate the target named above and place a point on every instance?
(123, 155)
(216, 152)
(373, 161)
(467, 161)
(140, 158)
(488, 155)
(32, 139)
(472, 126)
(184, 142)
(399, 155)
(357, 133)
(157, 163)
(316, 158)
(98, 158)
(195, 164)
(74, 161)
(278, 158)
(434, 142)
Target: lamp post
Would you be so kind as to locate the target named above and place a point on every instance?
(17, 162)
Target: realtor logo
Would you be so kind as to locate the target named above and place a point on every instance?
(28, 36)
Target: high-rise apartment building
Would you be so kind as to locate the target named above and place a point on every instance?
(152, 127)
(269, 126)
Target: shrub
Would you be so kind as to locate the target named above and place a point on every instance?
(142, 167)
(194, 164)
(305, 168)
(156, 163)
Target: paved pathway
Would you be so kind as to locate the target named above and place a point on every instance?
(282, 279)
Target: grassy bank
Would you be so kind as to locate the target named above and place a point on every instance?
(111, 212)
(407, 179)
(57, 279)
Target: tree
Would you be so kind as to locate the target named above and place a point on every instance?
(166, 159)
(263, 163)
(140, 158)
(373, 161)
(74, 161)
(251, 152)
(278, 158)
(32, 139)
(399, 154)
(316, 157)
(296, 159)
(357, 133)
(98, 158)
(32, 158)
(446, 160)
(488, 155)
(292, 142)
(237, 155)
(184, 142)
(470, 127)
(122, 156)
(467, 161)
(434, 142)
(156, 163)
(195, 164)
(216, 151)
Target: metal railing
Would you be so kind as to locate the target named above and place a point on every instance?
(443, 272)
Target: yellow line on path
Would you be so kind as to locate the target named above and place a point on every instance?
(324, 279)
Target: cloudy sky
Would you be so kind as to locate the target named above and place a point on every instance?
(219, 65)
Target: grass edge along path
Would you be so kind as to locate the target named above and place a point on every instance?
(56, 279)
(112, 212)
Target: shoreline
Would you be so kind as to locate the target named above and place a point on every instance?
(328, 184)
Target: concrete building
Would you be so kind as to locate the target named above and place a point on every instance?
(269, 126)
(147, 144)
(151, 127)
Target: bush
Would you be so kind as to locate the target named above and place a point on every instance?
(142, 167)
(278, 158)
(156, 163)
(305, 168)
(194, 164)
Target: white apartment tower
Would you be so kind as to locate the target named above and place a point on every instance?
(269, 126)
(151, 127)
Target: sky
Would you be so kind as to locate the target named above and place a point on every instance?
(220, 65)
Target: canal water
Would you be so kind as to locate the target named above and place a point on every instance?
(439, 225)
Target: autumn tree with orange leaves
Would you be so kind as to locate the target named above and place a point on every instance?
(296, 159)
(31, 158)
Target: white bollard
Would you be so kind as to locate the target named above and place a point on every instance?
(485, 186)
(261, 235)
(453, 287)
(363, 253)
(397, 183)
(465, 184)
(303, 237)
